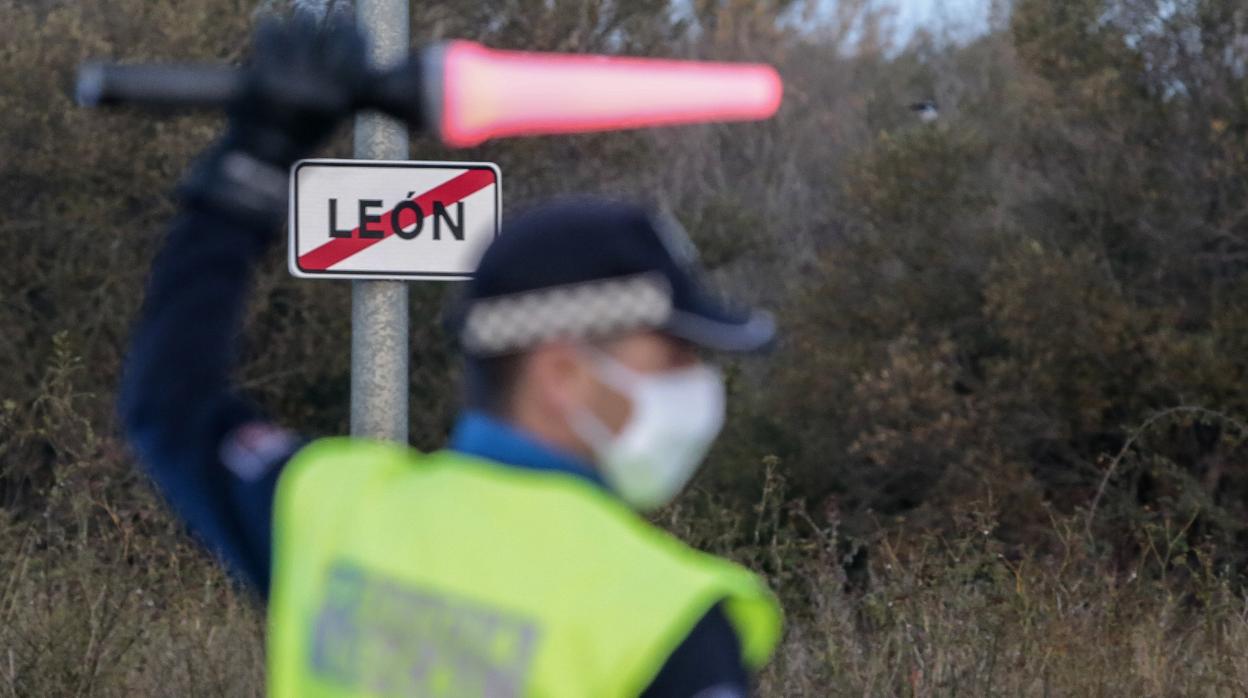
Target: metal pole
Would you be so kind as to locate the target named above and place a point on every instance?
(379, 309)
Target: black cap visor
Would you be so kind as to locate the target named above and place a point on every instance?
(711, 325)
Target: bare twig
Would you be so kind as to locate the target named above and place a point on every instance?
(1138, 432)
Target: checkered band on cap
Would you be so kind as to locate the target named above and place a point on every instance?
(586, 310)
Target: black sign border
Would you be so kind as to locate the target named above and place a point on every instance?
(293, 239)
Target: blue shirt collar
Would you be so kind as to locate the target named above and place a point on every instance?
(484, 436)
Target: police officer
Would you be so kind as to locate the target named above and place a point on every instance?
(514, 562)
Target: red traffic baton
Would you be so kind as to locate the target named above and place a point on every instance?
(466, 93)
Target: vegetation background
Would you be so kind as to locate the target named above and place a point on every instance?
(1001, 449)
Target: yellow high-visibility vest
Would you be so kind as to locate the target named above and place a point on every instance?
(398, 573)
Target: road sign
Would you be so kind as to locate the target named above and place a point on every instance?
(377, 219)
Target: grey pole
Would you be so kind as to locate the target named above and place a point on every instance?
(379, 309)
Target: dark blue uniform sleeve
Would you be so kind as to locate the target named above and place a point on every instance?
(707, 664)
(211, 452)
(217, 459)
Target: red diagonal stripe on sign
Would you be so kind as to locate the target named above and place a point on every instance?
(449, 192)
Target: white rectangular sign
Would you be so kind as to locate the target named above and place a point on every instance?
(377, 219)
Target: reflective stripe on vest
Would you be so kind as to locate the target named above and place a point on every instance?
(397, 573)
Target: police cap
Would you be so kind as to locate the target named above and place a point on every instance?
(589, 268)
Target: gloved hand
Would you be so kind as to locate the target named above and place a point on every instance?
(302, 81)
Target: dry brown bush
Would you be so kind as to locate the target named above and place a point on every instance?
(1008, 406)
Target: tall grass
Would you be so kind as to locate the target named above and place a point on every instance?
(120, 604)
(956, 612)
(101, 593)
(1010, 397)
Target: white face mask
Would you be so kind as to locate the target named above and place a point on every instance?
(676, 416)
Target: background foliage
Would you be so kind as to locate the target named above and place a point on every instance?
(1000, 449)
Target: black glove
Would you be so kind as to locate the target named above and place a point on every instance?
(302, 81)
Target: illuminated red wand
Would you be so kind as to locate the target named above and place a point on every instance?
(466, 94)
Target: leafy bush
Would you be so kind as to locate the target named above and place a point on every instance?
(1007, 411)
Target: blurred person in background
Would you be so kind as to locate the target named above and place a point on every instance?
(514, 562)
